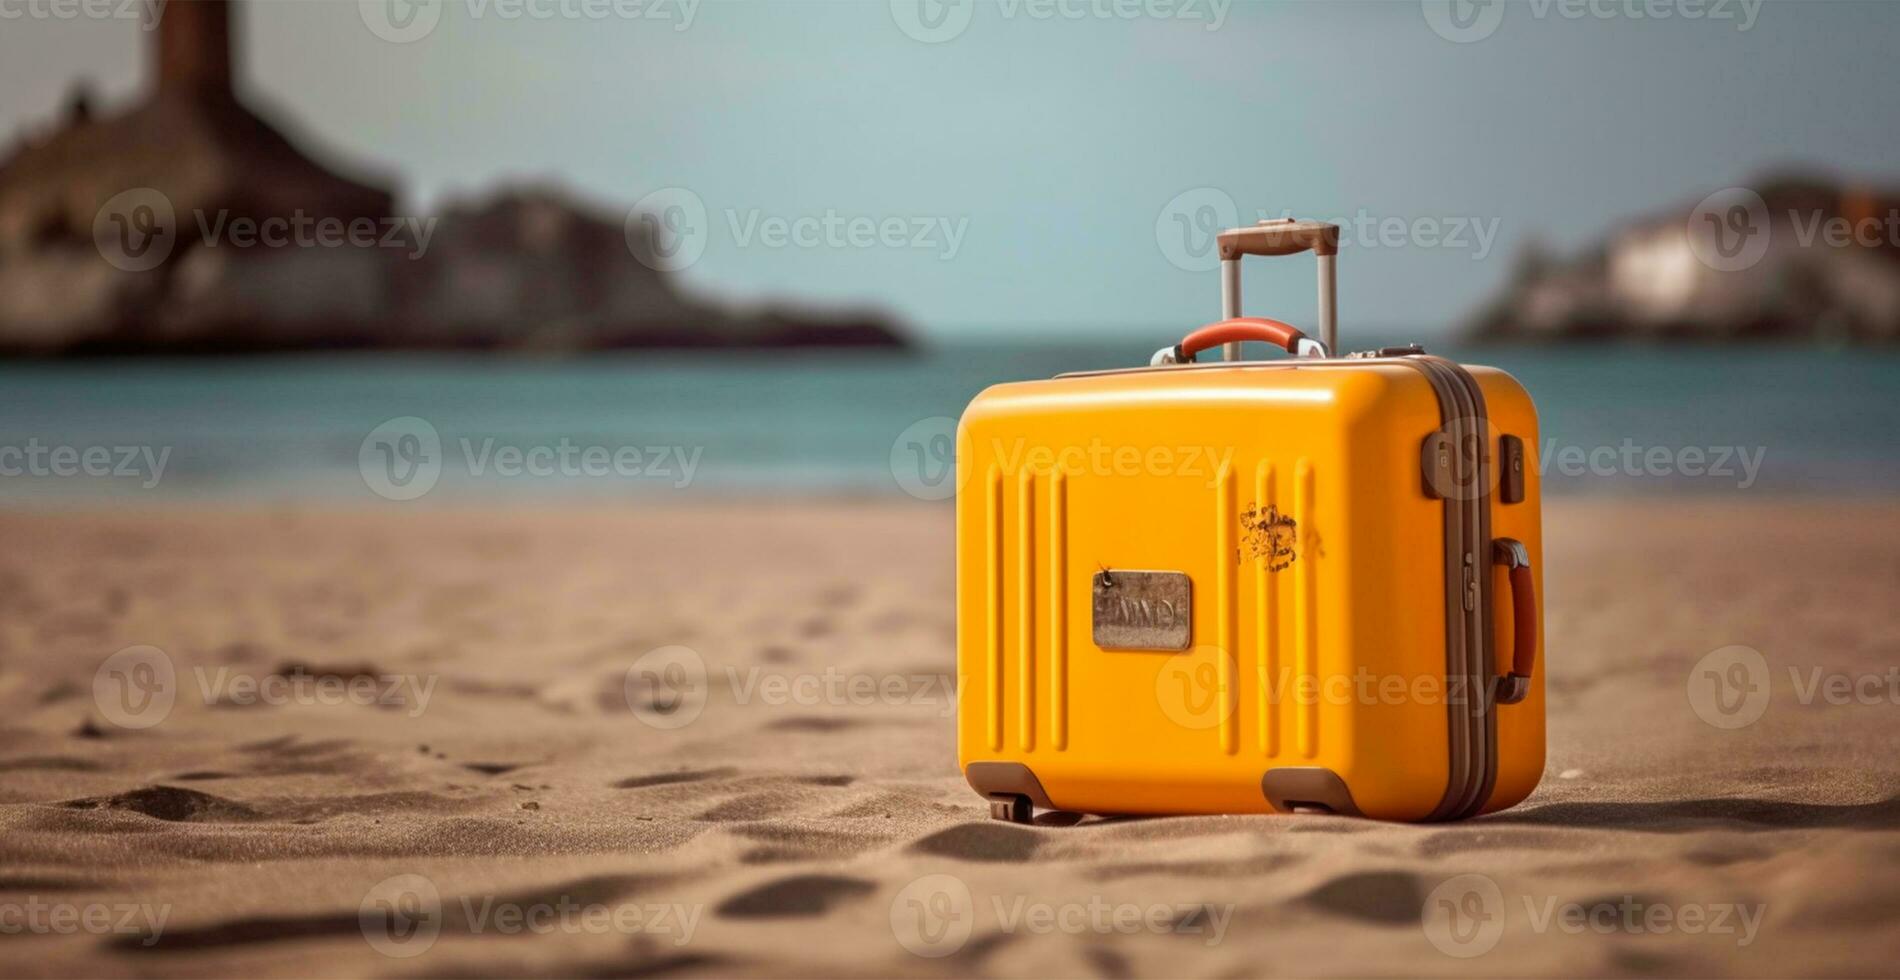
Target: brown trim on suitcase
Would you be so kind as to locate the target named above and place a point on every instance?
(1510, 470)
(1464, 742)
(1485, 679)
(1469, 667)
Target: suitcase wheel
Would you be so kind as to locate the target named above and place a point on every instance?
(1013, 807)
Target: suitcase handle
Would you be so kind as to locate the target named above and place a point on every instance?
(1241, 328)
(1279, 236)
(1512, 554)
(1282, 236)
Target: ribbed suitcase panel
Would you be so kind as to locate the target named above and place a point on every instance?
(1026, 611)
(1266, 606)
(1306, 606)
(1058, 612)
(993, 528)
(1227, 611)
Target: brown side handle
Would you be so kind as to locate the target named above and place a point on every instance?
(1281, 236)
(1512, 554)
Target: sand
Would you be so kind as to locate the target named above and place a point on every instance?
(487, 781)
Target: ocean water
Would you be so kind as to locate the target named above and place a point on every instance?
(1616, 420)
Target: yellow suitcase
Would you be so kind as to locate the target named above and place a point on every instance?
(1245, 586)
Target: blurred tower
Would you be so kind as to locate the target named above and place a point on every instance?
(193, 56)
(192, 149)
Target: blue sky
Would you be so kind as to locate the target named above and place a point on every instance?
(1052, 165)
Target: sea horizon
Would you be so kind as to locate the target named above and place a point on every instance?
(1616, 419)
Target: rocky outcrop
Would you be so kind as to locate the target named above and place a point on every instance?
(1789, 258)
(190, 224)
(531, 267)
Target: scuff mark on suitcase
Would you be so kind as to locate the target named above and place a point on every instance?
(1270, 535)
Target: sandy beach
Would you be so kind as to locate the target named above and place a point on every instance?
(404, 743)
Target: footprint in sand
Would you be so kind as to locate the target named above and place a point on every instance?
(492, 768)
(48, 763)
(672, 778)
(1380, 898)
(817, 724)
(1108, 963)
(170, 803)
(1697, 814)
(752, 806)
(61, 691)
(982, 842)
(799, 897)
(53, 883)
(842, 595)
(890, 806)
(255, 931)
(1263, 864)
(240, 932)
(1719, 855)
(786, 842)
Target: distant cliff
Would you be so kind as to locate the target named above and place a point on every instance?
(189, 223)
(1790, 258)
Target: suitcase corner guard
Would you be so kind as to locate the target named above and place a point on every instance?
(1297, 789)
(1012, 789)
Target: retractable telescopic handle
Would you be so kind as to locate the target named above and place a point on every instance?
(1282, 236)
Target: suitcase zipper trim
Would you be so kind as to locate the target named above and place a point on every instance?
(1486, 672)
(1460, 741)
(1472, 723)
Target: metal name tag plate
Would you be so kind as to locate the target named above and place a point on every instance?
(1142, 610)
